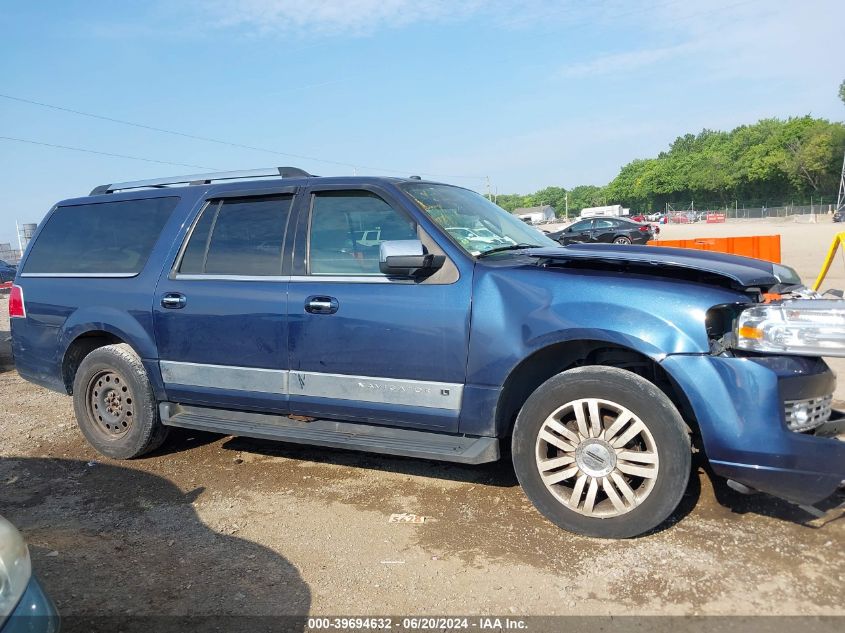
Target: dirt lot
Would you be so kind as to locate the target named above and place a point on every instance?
(216, 525)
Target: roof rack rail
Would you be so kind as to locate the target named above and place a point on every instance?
(203, 179)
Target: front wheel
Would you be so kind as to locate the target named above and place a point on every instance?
(601, 451)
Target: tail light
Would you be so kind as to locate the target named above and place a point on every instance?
(645, 228)
(16, 307)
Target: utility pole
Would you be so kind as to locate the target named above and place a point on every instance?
(489, 195)
(566, 203)
(20, 244)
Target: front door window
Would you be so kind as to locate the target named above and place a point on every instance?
(347, 229)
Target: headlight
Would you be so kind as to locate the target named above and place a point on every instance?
(15, 568)
(803, 327)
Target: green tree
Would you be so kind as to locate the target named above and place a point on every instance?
(772, 159)
(553, 196)
(585, 196)
(813, 147)
(511, 201)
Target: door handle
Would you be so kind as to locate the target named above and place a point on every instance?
(173, 301)
(321, 305)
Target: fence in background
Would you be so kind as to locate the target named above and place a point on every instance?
(741, 212)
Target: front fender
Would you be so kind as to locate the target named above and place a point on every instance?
(517, 312)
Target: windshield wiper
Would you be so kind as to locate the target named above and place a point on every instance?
(509, 247)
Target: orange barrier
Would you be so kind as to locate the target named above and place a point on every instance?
(758, 246)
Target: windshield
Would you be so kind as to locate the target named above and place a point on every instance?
(472, 220)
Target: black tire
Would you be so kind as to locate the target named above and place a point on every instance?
(666, 431)
(114, 403)
(622, 240)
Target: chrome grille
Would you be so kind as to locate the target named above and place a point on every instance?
(805, 415)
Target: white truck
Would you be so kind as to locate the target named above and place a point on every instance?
(614, 210)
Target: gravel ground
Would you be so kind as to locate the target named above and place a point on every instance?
(217, 525)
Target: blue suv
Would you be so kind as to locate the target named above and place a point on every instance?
(356, 312)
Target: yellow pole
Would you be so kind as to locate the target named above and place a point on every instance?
(838, 239)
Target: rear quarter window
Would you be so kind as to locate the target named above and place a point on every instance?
(107, 238)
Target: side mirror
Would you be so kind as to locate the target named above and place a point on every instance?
(406, 258)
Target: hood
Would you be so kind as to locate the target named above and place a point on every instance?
(703, 266)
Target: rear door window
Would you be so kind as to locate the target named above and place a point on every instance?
(106, 238)
(240, 236)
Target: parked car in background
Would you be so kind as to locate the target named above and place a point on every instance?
(478, 236)
(839, 215)
(7, 271)
(686, 217)
(638, 218)
(368, 238)
(605, 230)
(489, 236)
(24, 607)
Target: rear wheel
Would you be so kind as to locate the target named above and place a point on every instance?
(601, 451)
(622, 240)
(114, 403)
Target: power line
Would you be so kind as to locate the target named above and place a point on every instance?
(354, 166)
(93, 151)
(208, 139)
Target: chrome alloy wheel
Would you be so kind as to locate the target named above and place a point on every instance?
(597, 457)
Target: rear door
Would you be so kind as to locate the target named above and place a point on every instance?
(219, 312)
(603, 230)
(363, 346)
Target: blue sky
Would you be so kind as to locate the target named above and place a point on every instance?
(531, 94)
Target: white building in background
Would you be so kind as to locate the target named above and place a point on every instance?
(614, 210)
(8, 254)
(536, 215)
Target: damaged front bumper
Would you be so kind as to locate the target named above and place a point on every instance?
(739, 407)
(834, 506)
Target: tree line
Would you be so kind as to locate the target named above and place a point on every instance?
(767, 163)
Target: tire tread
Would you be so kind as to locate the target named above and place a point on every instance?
(152, 432)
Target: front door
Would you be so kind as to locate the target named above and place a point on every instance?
(578, 232)
(363, 346)
(219, 313)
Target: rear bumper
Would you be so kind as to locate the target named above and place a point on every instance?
(738, 404)
(35, 613)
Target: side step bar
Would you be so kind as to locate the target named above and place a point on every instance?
(360, 437)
